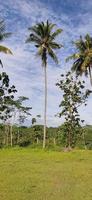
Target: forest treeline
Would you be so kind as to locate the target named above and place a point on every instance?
(33, 136)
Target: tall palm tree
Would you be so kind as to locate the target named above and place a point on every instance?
(83, 57)
(43, 36)
(3, 35)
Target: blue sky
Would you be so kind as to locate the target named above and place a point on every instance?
(24, 69)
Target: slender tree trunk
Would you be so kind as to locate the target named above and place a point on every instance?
(7, 135)
(84, 141)
(45, 106)
(11, 135)
(54, 141)
(90, 75)
(37, 140)
(18, 136)
(69, 140)
(4, 140)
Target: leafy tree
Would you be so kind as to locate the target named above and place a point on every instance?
(83, 57)
(61, 135)
(74, 95)
(6, 99)
(44, 38)
(6, 96)
(37, 133)
(37, 129)
(21, 110)
(52, 135)
(38, 116)
(33, 120)
(18, 112)
(3, 35)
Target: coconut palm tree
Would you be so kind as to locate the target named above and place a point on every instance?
(43, 36)
(83, 57)
(3, 35)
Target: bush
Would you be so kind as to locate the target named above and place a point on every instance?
(1, 145)
(24, 142)
(89, 146)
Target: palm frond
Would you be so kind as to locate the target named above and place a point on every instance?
(2, 26)
(43, 55)
(48, 28)
(90, 75)
(77, 66)
(39, 52)
(4, 36)
(35, 30)
(86, 63)
(43, 37)
(5, 50)
(52, 55)
(80, 45)
(41, 29)
(33, 38)
(1, 63)
(83, 61)
(51, 26)
(88, 41)
(73, 56)
(56, 33)
(55, 45)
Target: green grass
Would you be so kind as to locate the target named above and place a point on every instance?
(27, 174)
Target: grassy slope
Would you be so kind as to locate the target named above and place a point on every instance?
(28, 174)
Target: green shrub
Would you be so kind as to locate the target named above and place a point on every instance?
(24, 142)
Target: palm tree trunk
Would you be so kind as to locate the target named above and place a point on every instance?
(90, 75)
(45, 106)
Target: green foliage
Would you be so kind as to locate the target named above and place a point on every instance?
(44, 38)
(6, 96)
(37, 132)
(74, 95)
(83, 57)
(22, 111)
(3, 36)
(88, 136)
(24, 142)
(56, 137)
(33, 120)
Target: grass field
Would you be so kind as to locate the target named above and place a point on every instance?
(27, 174)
